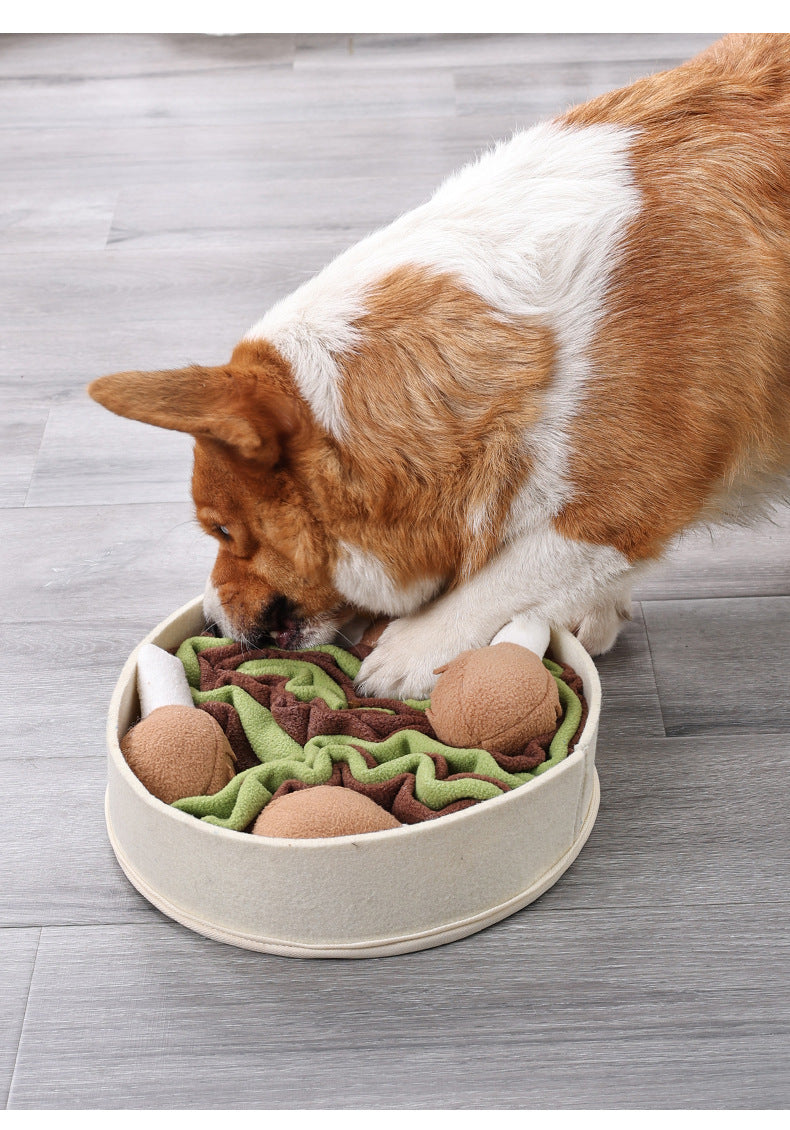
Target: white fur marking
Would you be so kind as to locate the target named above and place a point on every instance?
(363, 580)
(542, 574)
(215, 613)
(532, 227)
(479, 519)
(311, 347)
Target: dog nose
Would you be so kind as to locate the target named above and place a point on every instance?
(278, 615)
(277, 624)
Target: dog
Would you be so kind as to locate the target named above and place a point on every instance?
(514, 397)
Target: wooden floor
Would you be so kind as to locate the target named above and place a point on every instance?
(156, 195)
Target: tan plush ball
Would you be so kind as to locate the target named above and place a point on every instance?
(496, 698)
(325, 810)
(179, 751)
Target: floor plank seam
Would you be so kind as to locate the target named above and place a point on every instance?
(712, 596)
(111, 224)
(160, 921)
(652, 668)
(39, 449)
(61, 80)
(96, 506)
(24, 1018)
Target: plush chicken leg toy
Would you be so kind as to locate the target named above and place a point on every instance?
(176, 750)
(498, 697)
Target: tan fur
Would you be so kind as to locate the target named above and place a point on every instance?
(277, 545)
(249, 404)
(439, 395)
(436, 405)
(256, 451)
(692, 390)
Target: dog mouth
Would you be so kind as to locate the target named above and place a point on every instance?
(290, 638)
(304, 634)
(280, 624)
(283, 627)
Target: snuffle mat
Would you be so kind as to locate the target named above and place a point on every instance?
(482, 834)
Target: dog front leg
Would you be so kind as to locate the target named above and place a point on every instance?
(564, 582)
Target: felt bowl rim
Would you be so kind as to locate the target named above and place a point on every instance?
(127, 681)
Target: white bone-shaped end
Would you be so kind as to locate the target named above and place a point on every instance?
(161, 680)
(527, 631)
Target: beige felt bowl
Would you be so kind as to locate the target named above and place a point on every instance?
(389, 892)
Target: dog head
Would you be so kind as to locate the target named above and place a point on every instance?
(402, 490)
(259, 465)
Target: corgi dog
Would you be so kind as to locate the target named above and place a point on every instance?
(514, 397)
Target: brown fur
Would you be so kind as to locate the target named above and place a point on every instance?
(692, 358)
(438, 396)
(435, 398)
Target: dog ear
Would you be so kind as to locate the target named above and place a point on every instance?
(219, 403)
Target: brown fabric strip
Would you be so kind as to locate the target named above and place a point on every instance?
(304, 720)
(396, 794)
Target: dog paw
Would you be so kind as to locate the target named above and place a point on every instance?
(403, 662)
(599, 629)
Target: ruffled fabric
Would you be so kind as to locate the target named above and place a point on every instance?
(294, 720)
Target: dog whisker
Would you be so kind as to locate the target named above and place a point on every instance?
(344, 638)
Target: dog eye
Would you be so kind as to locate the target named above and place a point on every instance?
(223, 532)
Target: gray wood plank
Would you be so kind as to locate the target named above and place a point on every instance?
(107, 157)
(493, 51)
(721, 665)
(68, 673)
(684, 821)
(17, 958)
(122, 564)
(725, 561)
(546, 82)
(118, 309)
(99, 293)
(56, 863)
(212, 211)
(88, 456)
(22, 424)
(690, 1012)
(257, 95)
(54, 219)
(631, 709)
(57, 58)
(532, 92)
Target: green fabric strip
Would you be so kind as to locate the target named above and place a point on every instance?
(406, 751)
(240, 802)
(301, 683)
(189, 651)
(572, 715)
